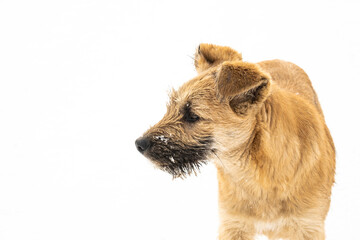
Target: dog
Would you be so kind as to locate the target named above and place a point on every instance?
(262, 126)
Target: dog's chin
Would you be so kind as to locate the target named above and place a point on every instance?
(178, 168)
(178, 159)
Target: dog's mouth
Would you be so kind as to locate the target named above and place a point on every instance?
(178, 159)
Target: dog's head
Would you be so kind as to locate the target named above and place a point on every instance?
(210, 115)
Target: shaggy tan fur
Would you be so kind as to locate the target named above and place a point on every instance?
(272, 149)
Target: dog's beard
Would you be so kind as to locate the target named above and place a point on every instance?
(178, 159)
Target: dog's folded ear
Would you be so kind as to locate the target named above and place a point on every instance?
(242, 84)
(209, 55)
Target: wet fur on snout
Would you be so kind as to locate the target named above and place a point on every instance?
(177, 158)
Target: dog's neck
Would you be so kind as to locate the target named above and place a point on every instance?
(265, 151)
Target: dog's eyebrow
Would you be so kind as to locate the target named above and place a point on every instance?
(187, 107)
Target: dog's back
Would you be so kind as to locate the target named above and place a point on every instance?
(292, 78)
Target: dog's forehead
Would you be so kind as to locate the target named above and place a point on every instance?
(197, 89)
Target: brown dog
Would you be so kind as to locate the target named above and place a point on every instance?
(263, 127)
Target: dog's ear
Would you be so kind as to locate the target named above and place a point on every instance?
(242, 84)
(209, 55)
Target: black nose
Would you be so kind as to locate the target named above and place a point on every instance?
(142, 144)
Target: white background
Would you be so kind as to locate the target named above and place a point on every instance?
(81, 80)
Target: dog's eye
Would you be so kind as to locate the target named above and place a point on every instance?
(189, 116)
